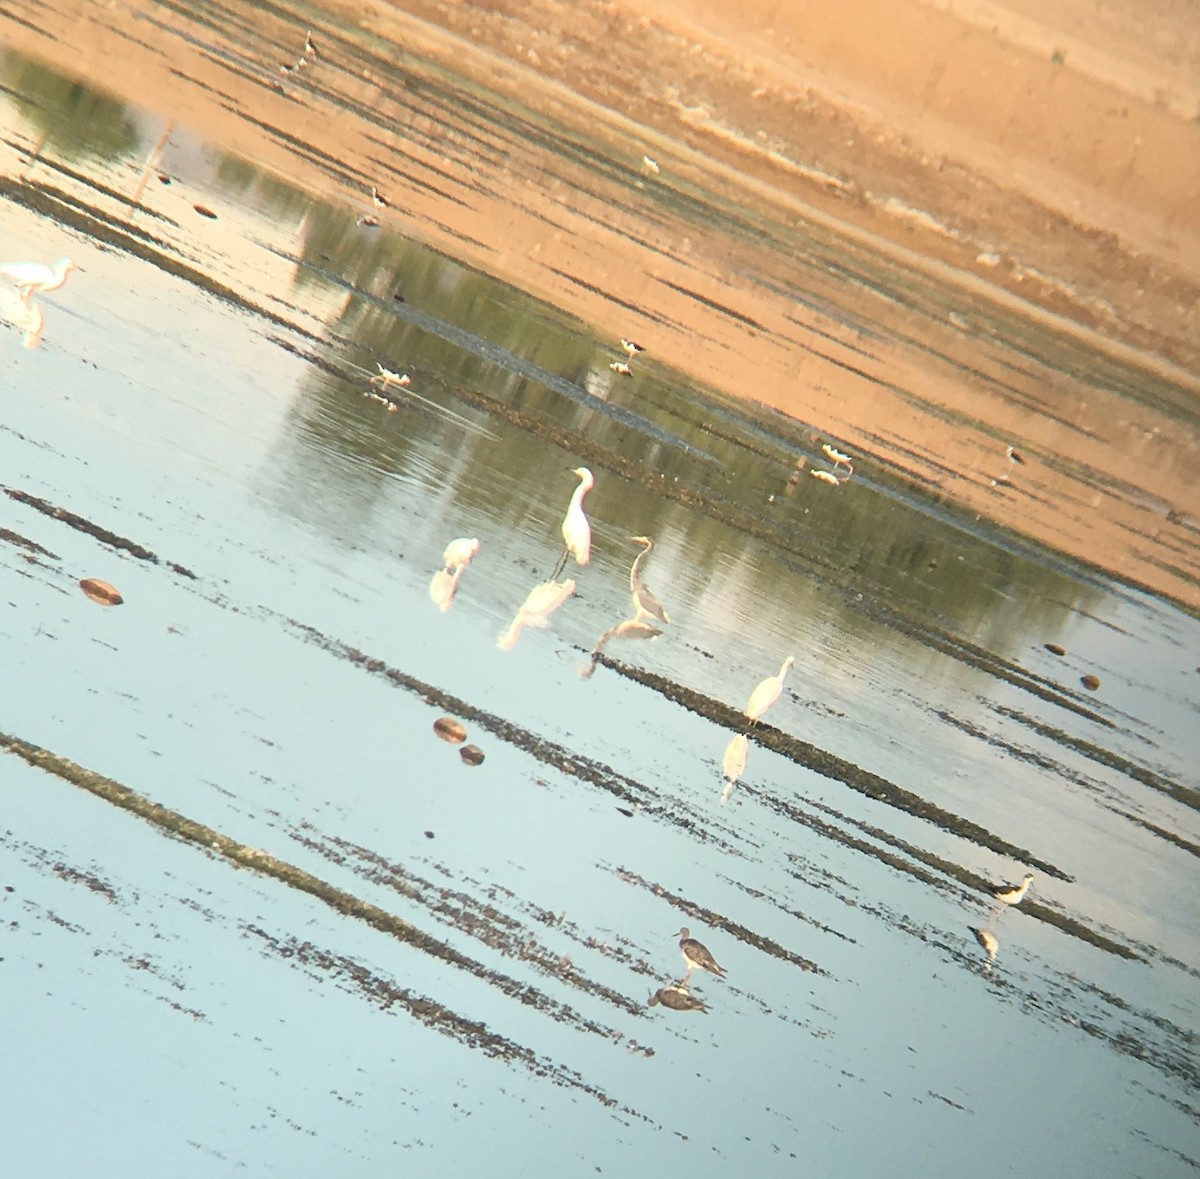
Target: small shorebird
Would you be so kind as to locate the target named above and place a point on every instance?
(310, 49)
(644, 601)
(677, 997)
(379, 201)
(696, 956)
(36, 277)
(632, 348)
(834, 455)
(1013, 894)
(650, 166)
(386, 377)
(577, 532)
(620, 367)
(826, 477)
(1015, 456)
(767, 692)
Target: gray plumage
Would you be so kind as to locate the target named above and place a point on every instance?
(696, 955)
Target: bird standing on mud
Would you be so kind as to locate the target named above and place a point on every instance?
(1013, 894)
(577, 532)
(767, 692)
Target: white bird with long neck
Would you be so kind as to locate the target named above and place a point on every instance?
(31, 277)
(767, 692)
(576, 531)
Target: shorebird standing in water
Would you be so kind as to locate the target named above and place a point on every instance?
(696, 956)
(577, 532)
(1012, 894)
(632, 347)
(767, 692)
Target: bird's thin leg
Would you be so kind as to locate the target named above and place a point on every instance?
(562, 564)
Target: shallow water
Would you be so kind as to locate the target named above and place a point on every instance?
(288, 928)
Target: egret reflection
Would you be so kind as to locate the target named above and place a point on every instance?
(733, 764)
(457, 556)
(543, 600)
(677, 997)
(27, 317)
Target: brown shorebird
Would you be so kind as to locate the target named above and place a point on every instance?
(696, 956)
(677, 997)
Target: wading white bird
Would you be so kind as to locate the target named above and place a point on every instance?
(696, 956)
(31, 277)
(767, 692)
(577, 532)
(459, 553)
(644, 601)
(1013, 894)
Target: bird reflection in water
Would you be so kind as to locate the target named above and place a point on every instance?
(458, 555)
(677, 997)
(631, 628)
(733, 764)
(990, 943)
(27, 317)
(543, 600)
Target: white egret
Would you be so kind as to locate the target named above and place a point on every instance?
(577, 532)
(644, 601)
(31, 277)
(696, 956)
(767, 692)
(459, 553)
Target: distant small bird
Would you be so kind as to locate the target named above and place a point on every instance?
(1013, 894)
(767, 692)
(835, 455)
(36, 277)
(459, 553)
(644, 601)
(310, 49)
(650, 166)
(677, 997)
(379, 201)
(576, 531)
(619, 366)
(1015, 456)
(386, 377)
(632, 348)
(696, 956)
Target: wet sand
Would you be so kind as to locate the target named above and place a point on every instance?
(997, 180)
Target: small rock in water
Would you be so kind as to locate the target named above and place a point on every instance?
(1055, 649)
(101, 591)
(471, 754)
(450, 730)
(1090, 682)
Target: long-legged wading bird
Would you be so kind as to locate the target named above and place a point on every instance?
(644, 602)
(696, 956)
(767, 692)
(31, 277)
(577, 532)
(1012, 894)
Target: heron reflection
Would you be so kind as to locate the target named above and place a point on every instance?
(457, 556)
(630, 628)
(25, 315)
(542, 601)
(677, 997)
